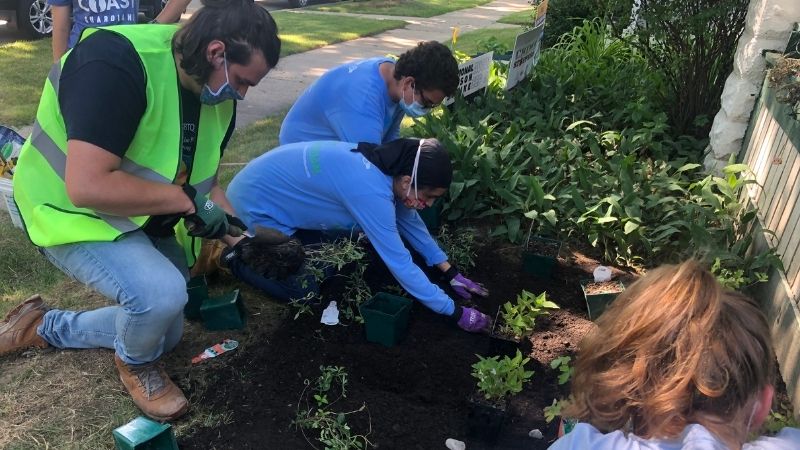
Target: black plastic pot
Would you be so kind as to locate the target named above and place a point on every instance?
(500, 345)
(484, 420)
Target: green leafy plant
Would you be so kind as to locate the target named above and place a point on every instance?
(519, 319)
(334, 432)
(565, 370)
(458, 245)
(779, 418)
(499, 378)
(343, 258)
(552, 411)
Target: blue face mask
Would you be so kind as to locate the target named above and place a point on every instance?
(414, 109)
(225, 92)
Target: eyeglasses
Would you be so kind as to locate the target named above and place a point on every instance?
(426, 102)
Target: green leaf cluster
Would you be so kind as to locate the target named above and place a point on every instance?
(565, 370)
(519, 318)
(583, 150)
(331, 425)
(499, 378)
(458, 245)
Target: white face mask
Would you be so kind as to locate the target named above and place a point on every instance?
(756, 406)
(414, 109)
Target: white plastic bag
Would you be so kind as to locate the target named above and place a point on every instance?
(330, 316)
(602, 273)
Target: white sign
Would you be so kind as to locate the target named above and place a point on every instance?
(525, 56)
(541, 13)
(473, 75)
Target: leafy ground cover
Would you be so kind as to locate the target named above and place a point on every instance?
(410, 8)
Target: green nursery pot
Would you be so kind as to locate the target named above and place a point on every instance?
(597, 303)
(225, 312)
(142, 433)
(386, 318)
(538, 263)
(198, 293)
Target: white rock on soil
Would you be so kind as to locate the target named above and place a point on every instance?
(536, 434)
(453, 444)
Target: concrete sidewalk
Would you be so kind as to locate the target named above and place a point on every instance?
(294, 73)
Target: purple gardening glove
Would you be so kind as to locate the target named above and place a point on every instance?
(472, 320)
(463, 286)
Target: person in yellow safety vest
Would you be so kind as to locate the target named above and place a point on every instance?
(126, 144)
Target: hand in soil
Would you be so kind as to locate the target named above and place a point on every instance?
(464, 287)
(473, 320)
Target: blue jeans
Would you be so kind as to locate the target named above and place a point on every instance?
(145, 276)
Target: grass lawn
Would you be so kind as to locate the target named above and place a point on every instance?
(481, 41)
(520, 17)
(301, 32)
(26, 63)
(23, 70)
(247, 144)
(410, 8)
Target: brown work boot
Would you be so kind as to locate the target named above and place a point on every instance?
(34, 302)
(18, 330)
(152, 390)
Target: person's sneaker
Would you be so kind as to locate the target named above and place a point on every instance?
(18, 330)
(152, 390)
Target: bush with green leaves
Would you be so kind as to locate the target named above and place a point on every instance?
(692, 44)
(320, 417)
(499, 378)
(584, 150)
(519, 318)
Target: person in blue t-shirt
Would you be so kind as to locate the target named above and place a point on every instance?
(365, 101)
(71, 17)
(328, 186)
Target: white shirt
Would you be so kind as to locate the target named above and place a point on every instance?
(694, 437)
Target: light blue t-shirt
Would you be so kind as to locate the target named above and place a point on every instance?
(325, 186)
(98, 13)
(694, 437)
(349, 103)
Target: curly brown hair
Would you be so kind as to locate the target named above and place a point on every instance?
(674, 348)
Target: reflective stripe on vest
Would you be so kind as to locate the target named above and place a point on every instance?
(49, 216)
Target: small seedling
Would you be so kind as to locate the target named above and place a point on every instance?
(332, 257)
(459, 246)
(779, 418)
(552, 411)
(334, 432)
(499, 378)
(562, 364)
(519, 318)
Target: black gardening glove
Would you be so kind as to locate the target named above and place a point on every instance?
(270, 253)
(209, 220)
(236, 227)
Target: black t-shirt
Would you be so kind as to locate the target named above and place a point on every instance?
(102, 99)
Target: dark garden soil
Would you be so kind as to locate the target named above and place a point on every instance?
(416, 392)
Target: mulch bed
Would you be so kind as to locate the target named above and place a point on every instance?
(416, 392)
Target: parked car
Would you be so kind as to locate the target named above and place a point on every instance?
(34, 20)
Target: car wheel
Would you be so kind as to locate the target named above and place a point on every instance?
(34, 18)
(299, 3)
